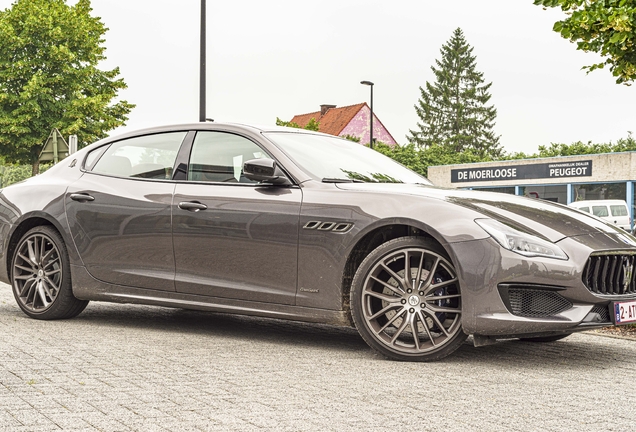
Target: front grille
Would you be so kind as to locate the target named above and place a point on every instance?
(610, 274)
(534, 303)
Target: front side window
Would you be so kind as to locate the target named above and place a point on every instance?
(585, 209)
(150, 156)
(219, 157)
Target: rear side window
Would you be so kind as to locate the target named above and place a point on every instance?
(600, 211)
(585, 209)
(618, 210)
(150, 156)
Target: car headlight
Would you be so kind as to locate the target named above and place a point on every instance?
(520, 242)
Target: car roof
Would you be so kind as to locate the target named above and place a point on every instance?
(216, 125)
(210, 126)
(597, 202)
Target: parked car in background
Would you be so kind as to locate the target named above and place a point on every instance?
(293, 224)
(612, 211)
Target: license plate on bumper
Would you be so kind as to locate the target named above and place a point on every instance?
(624, 312)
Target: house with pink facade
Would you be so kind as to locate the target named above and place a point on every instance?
(349, 120)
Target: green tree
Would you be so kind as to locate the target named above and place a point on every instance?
(602, 26)
(311, 125)
(291, 124)
(11, 173)
(419, 159)
(453, 111)
(351, 138)
(49, 77)
(578, 148)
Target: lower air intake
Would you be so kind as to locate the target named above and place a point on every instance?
(534, 303)
(603, 313)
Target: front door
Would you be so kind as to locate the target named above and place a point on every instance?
(232, 237)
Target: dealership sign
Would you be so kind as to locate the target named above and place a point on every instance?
(523, 172)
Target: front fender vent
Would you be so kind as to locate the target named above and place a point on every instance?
(339, 227)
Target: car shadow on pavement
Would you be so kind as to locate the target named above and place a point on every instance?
(582, 351)
(220, 324)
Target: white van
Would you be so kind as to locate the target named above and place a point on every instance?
(613, 211)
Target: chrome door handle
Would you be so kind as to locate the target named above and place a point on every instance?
(82, 197)
(192, 206)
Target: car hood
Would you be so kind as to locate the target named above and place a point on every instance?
(547, 219)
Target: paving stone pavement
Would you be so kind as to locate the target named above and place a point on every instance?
(137, 368)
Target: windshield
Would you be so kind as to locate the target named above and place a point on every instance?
(333, 159)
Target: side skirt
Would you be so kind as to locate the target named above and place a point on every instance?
(86, 287)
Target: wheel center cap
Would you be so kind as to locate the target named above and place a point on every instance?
(414, 300)
(40, 273)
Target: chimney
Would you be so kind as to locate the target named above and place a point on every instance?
(325, 108)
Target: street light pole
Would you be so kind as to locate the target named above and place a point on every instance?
(370, 84)
(202, 66)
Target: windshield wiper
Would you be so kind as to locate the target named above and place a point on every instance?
(340, 180)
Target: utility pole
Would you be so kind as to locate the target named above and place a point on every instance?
(202, 66)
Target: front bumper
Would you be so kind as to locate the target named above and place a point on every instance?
(487, 273)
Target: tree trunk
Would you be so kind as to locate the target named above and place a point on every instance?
(36, 168)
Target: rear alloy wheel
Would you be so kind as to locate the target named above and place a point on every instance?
(406, 301)
(41, 276)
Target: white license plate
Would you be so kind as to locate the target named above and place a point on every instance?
(625, 312)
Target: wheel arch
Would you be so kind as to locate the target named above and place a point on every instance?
(24, 224)
(374, 236)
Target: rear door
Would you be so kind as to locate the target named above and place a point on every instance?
(232, 237)
(119, 211)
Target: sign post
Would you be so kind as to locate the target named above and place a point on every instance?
(55, 148)
(72, 144)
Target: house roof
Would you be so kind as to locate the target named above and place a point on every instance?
(333, 121)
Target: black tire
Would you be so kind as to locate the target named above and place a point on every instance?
(41, 276)
(417, 318)
(552, 338)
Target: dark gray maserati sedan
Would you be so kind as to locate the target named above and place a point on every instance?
(292, 224)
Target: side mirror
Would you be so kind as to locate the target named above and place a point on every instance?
(264, 171)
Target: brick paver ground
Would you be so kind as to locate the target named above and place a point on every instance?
(122, 368)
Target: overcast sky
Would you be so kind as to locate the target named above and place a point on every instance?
(278, 58)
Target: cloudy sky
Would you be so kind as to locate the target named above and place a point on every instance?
(278, 58)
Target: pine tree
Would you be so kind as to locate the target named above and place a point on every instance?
(454, 111)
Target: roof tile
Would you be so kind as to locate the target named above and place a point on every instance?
(334, 120)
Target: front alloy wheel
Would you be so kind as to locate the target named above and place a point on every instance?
(406, 300)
